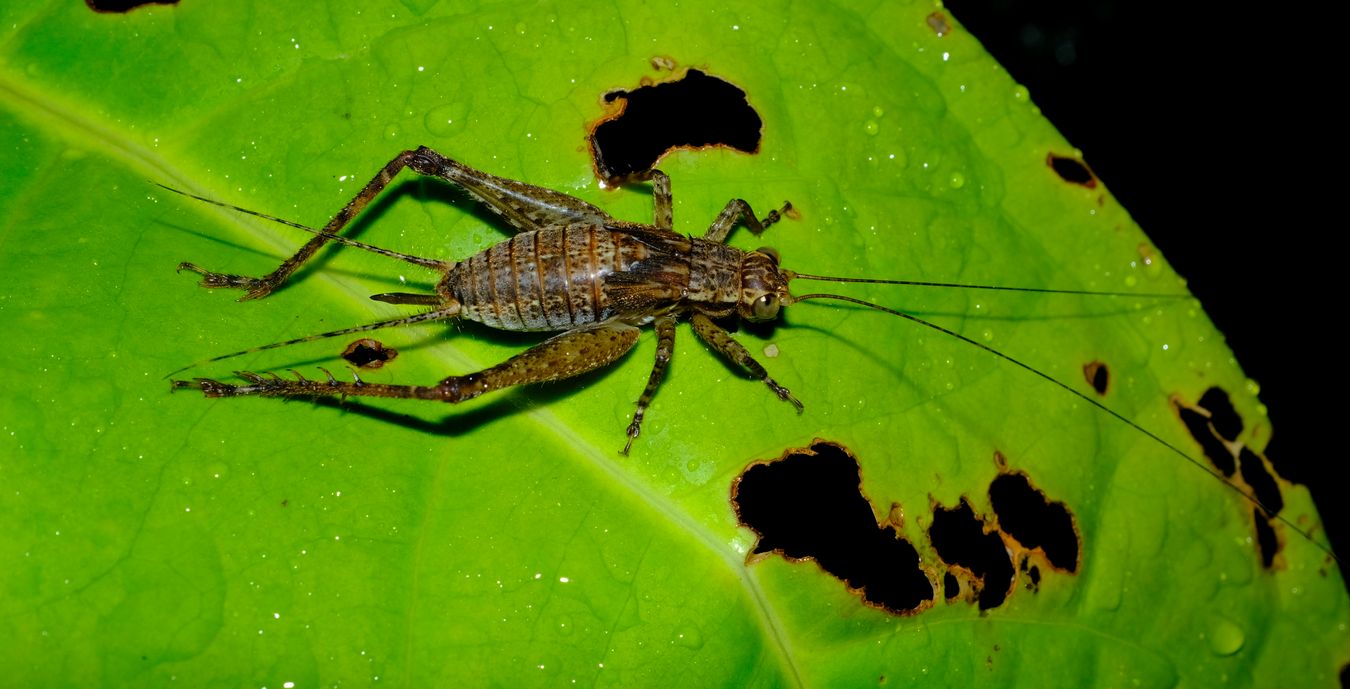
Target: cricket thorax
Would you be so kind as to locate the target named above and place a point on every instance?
(714, 275)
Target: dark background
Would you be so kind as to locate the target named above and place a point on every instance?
(1207, 124)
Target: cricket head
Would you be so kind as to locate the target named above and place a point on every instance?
(764, 287)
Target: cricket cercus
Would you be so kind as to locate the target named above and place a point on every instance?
(573, 269)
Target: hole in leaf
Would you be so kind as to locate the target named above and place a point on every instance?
(1213, 416)
(368, 353)
(123, 6)
(1098, 376)
(1263, 485)
(1222, 415)
(693, 112)
(1025, 514)
(808, 504)
(1266, 539)
(1197, 424)
(1072, 170)
(960, 539)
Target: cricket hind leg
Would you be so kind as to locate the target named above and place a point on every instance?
(738, 209)
(563, 356)
(524, 206)
(263, 286)
(721, 341)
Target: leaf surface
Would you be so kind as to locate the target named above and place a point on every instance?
(156, 538)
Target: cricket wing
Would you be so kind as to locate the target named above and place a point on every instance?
(650, 288)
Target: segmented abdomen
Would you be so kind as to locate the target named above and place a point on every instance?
(543, 280)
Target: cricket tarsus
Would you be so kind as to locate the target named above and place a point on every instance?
(573, 269)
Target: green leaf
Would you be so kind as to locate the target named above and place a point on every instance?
(155, 538)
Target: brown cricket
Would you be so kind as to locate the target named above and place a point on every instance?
(571, 268)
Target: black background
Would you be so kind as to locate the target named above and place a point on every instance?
(1208, 124)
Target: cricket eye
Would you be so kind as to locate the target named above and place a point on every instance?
(765, 308)
(769, 251)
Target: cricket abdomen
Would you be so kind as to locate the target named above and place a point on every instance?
(544, 280)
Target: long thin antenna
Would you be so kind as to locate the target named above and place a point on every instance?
(1082, 396)
(415, 260)
(436, 315)
(997, 288)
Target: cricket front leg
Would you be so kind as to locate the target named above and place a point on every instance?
(721, 341)
(570, 354)
(665, 344)
(738, 209)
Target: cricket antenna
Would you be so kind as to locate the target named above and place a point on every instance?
(791, 275)
(431, 263)
(1071, 390)
(437, 315)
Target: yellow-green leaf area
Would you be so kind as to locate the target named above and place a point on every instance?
(156, 538)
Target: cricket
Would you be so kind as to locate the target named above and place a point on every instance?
(573, 269)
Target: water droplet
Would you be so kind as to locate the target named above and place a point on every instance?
(688, 636)
(445, 120)
(988, 335)
(520, 28)
(565, 625)
(1225, 638)
(877, 111)
(871, 127)
(1253, 387)
(1020, 93)
(957, 180)
(697, 471)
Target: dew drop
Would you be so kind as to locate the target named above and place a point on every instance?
(1020, 93)
(688, 636)
(445, 120)
(957, 180)
(1225, 638)
(872, 127)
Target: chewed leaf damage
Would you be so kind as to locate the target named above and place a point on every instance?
(1216, 427)
(809, 504)
(697, 110)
